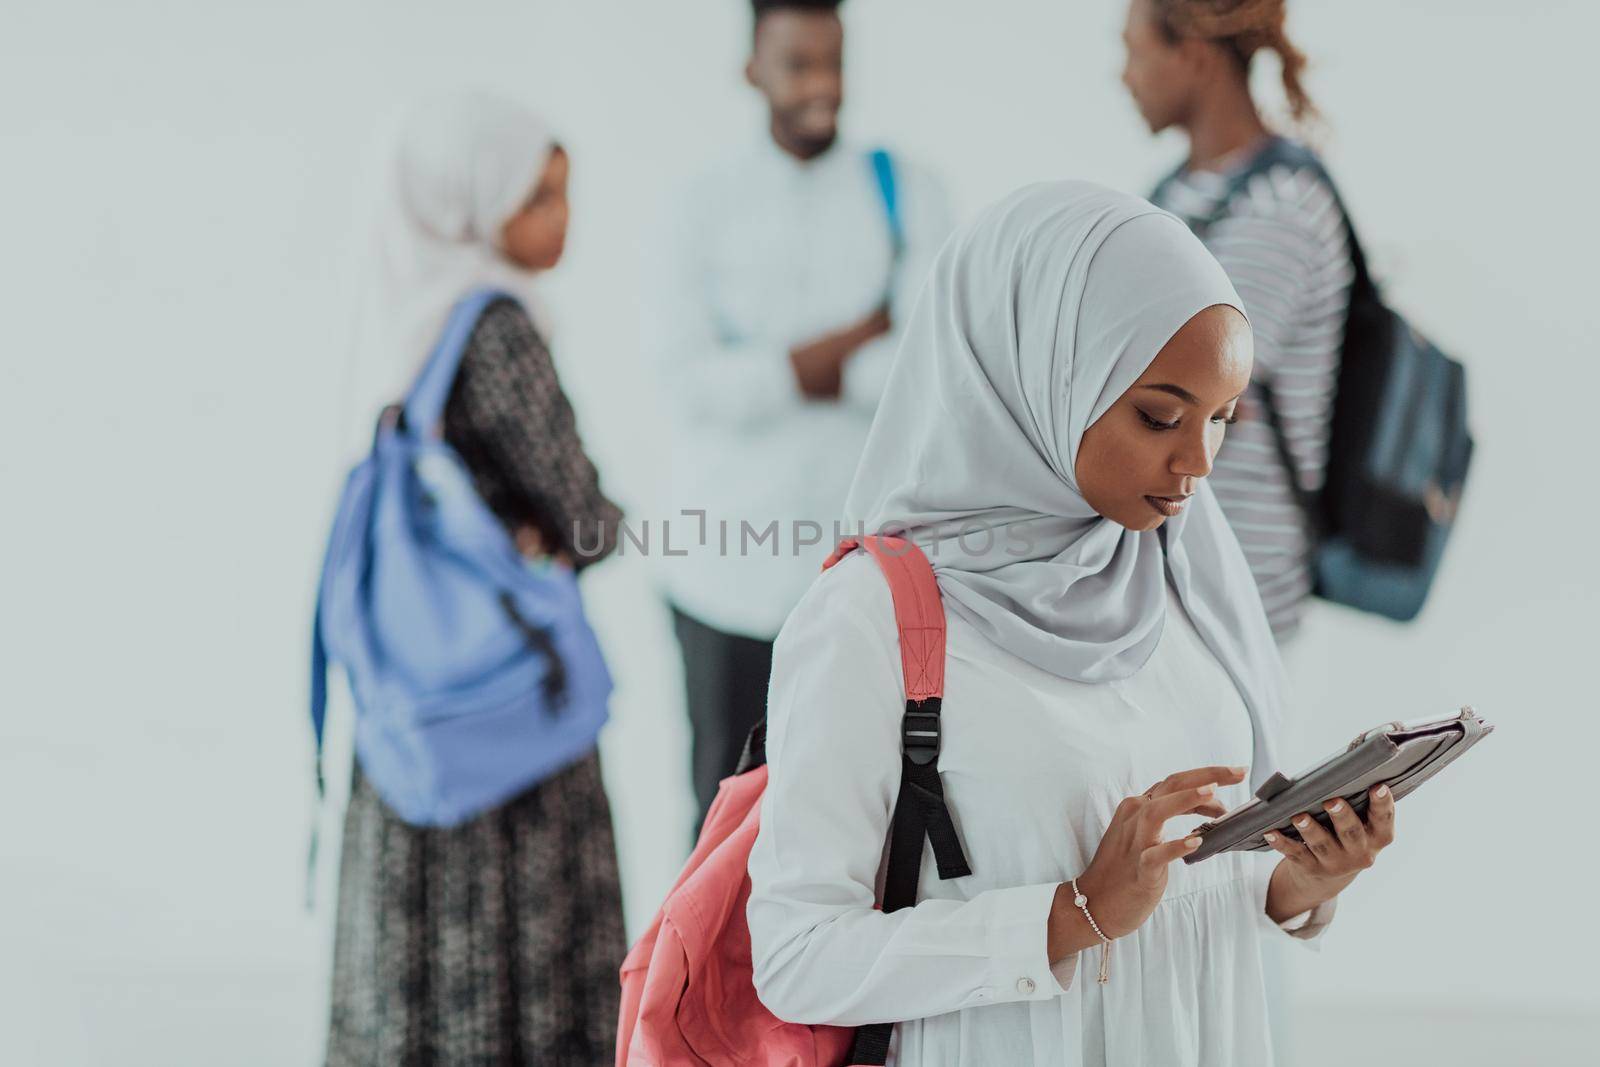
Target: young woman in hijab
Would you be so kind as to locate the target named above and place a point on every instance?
(1110, 678)
(495, 942)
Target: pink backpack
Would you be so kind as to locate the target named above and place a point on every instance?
(688, 995)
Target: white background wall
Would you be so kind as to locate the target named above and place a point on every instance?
(180, 180)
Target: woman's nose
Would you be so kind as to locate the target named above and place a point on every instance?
(1194, 459)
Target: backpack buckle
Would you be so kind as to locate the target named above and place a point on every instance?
(919, 731)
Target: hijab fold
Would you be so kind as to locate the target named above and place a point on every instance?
(1037, 317)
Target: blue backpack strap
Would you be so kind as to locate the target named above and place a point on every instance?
(319, 647)
(319, 687)
(883, 170)
(319, 718)
(424, 405)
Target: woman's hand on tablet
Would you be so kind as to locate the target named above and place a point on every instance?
(1321, 864)
(1125, 880)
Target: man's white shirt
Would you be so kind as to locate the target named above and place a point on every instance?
(759, 254)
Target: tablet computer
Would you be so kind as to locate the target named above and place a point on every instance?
(1401, 755)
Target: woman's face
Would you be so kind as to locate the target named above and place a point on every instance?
(1142, 460)
(1159, 74)
(535, 236)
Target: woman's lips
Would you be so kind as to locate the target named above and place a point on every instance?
(1167, 505)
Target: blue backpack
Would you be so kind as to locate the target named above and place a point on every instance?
(474, 672)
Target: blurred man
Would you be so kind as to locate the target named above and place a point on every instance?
(770, 311)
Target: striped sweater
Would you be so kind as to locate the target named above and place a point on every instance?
(1282, 242)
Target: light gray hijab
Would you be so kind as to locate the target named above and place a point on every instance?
(1037, 317)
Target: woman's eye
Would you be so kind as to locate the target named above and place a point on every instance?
(1156, 424)
(1226, 420)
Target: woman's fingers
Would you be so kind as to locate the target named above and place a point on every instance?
(1171, 805)
(1352, 835)
(1154, 858)
(1292, 850)
(1176, 783)
(1380, 817)
(1321, 843)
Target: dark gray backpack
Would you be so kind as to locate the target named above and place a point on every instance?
(1400, 447)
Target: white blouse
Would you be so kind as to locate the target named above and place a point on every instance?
(1033, 767)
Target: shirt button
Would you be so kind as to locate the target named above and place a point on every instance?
(1025, 986)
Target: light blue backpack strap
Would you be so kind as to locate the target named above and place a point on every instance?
(319, 718)
(319, 688)
(883, 170)
(429, 393)
(319, 715)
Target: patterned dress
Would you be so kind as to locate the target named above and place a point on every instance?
(497, 942)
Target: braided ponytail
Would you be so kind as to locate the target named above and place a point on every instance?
(1243, 27)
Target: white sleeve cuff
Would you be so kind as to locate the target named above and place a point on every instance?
(1019, 955)
(1307, 927)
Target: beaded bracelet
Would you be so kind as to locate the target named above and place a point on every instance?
(1082, 903)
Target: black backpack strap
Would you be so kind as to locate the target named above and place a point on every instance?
(920, 813)
(1277, 152)
(1310, 503)
(1281, 152)
(755, 748)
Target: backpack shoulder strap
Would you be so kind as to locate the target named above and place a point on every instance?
(883, 170)
(424, 405)
(918, 611)
(319, 712)
(319, 688)
(920, 811)
(1308, 502)
(1277, 152)
(1282, 152)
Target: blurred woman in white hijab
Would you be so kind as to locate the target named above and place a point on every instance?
(1054, 410)
(497, 941)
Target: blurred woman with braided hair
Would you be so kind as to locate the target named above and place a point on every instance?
(1263, 206)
